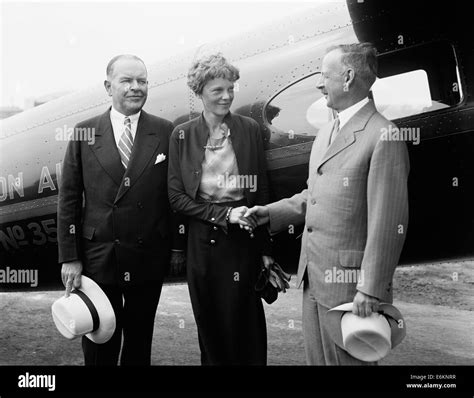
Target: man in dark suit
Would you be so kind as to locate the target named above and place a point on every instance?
(114, 219)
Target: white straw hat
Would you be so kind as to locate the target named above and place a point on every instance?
(368, 339)
(87, 311)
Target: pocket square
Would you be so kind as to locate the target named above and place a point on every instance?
(160, 158)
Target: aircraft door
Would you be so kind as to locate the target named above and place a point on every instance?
(296, 113)
(292, 119)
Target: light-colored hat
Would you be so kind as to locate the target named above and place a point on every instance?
(87, 311)
(368, 339)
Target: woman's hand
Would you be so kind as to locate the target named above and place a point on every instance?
(267, 261)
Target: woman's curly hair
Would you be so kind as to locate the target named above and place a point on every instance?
(208, 68)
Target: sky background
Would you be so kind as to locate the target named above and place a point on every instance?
(49, 47)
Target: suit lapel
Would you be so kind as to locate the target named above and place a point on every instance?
(342, 141)
(144, 145)
(238, 140)
(105, 149)
(322, 142)
(346, 135)
(320, 147)
(195, 153)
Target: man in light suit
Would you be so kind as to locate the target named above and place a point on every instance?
(355, 207)
(114, 218)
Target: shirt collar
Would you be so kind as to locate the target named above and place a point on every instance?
(116, 116)
(347, 113)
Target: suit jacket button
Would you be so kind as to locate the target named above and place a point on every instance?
(313, 201)
(310, 230)
(320, 172)
(213, 219)
(213, 242)
(117, 241)
(140, 206)
(215, 228)
(140, 241)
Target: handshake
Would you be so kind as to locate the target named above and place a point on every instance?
(249, 218)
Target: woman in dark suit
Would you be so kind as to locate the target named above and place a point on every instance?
(217, 169)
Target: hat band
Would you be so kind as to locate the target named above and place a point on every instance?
(90, 305)
(381, 312)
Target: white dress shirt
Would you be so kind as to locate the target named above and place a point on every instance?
(118, 124)
(347, 113)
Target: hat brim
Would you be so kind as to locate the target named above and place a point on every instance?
(392, 314)
(107, 321)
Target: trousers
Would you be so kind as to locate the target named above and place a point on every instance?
(135, 309)
(320, 349)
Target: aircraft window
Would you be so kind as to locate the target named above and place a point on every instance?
(296, 114)
(404, 95)
(416, 80)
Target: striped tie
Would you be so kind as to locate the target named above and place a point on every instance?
(126, 142)
(335, 130)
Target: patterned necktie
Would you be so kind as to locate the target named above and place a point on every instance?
(335, 130)
(126, 142)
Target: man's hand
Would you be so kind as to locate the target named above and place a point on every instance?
(261, 213)
(363, 305)
(237, 217)
(71, 275)
(177, 263)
